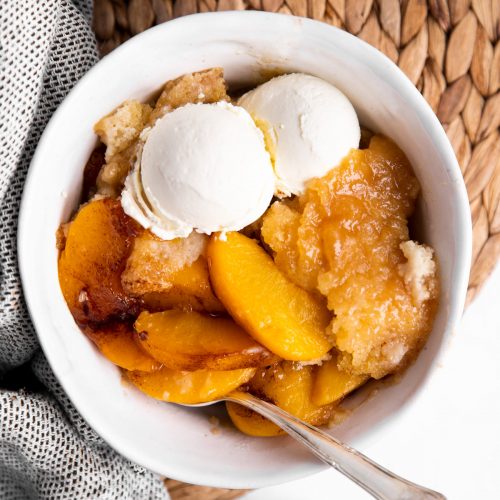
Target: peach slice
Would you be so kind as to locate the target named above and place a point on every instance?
(250, 422)
(116, 342)
(288, 385)
(189, 387)
(331, 384)
(281, 316)
(96, 248)
(191, 341)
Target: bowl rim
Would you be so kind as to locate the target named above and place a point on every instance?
(400, 81)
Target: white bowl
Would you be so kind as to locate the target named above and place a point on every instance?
(177, 441)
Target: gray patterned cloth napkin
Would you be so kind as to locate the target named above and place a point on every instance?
(46, 449)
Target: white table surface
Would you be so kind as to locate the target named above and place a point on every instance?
(454, 447)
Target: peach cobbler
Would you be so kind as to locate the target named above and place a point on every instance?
(258, 243)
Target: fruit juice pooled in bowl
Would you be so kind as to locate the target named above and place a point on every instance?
(249, 244)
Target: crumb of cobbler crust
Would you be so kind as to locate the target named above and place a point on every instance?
(215, 423)
(152, 261)
(316, 362)
(417, 271)
(120, 128)
(339, 416)
(61, 235)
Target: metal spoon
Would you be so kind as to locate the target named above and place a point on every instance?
(376, 480)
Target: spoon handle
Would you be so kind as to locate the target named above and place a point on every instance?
(376, 480)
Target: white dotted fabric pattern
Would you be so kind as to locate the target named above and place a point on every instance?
(46, 448)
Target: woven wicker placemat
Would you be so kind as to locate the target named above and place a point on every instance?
(449, 49)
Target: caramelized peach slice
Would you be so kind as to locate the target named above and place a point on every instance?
(190, 341)
(287, 385)
(250, 422)
(96, 248)
(283, 317)
(189, 387)
(331, 384)
(116, 342)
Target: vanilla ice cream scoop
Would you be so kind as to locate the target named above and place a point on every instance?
(309, 126)
(203, 167)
